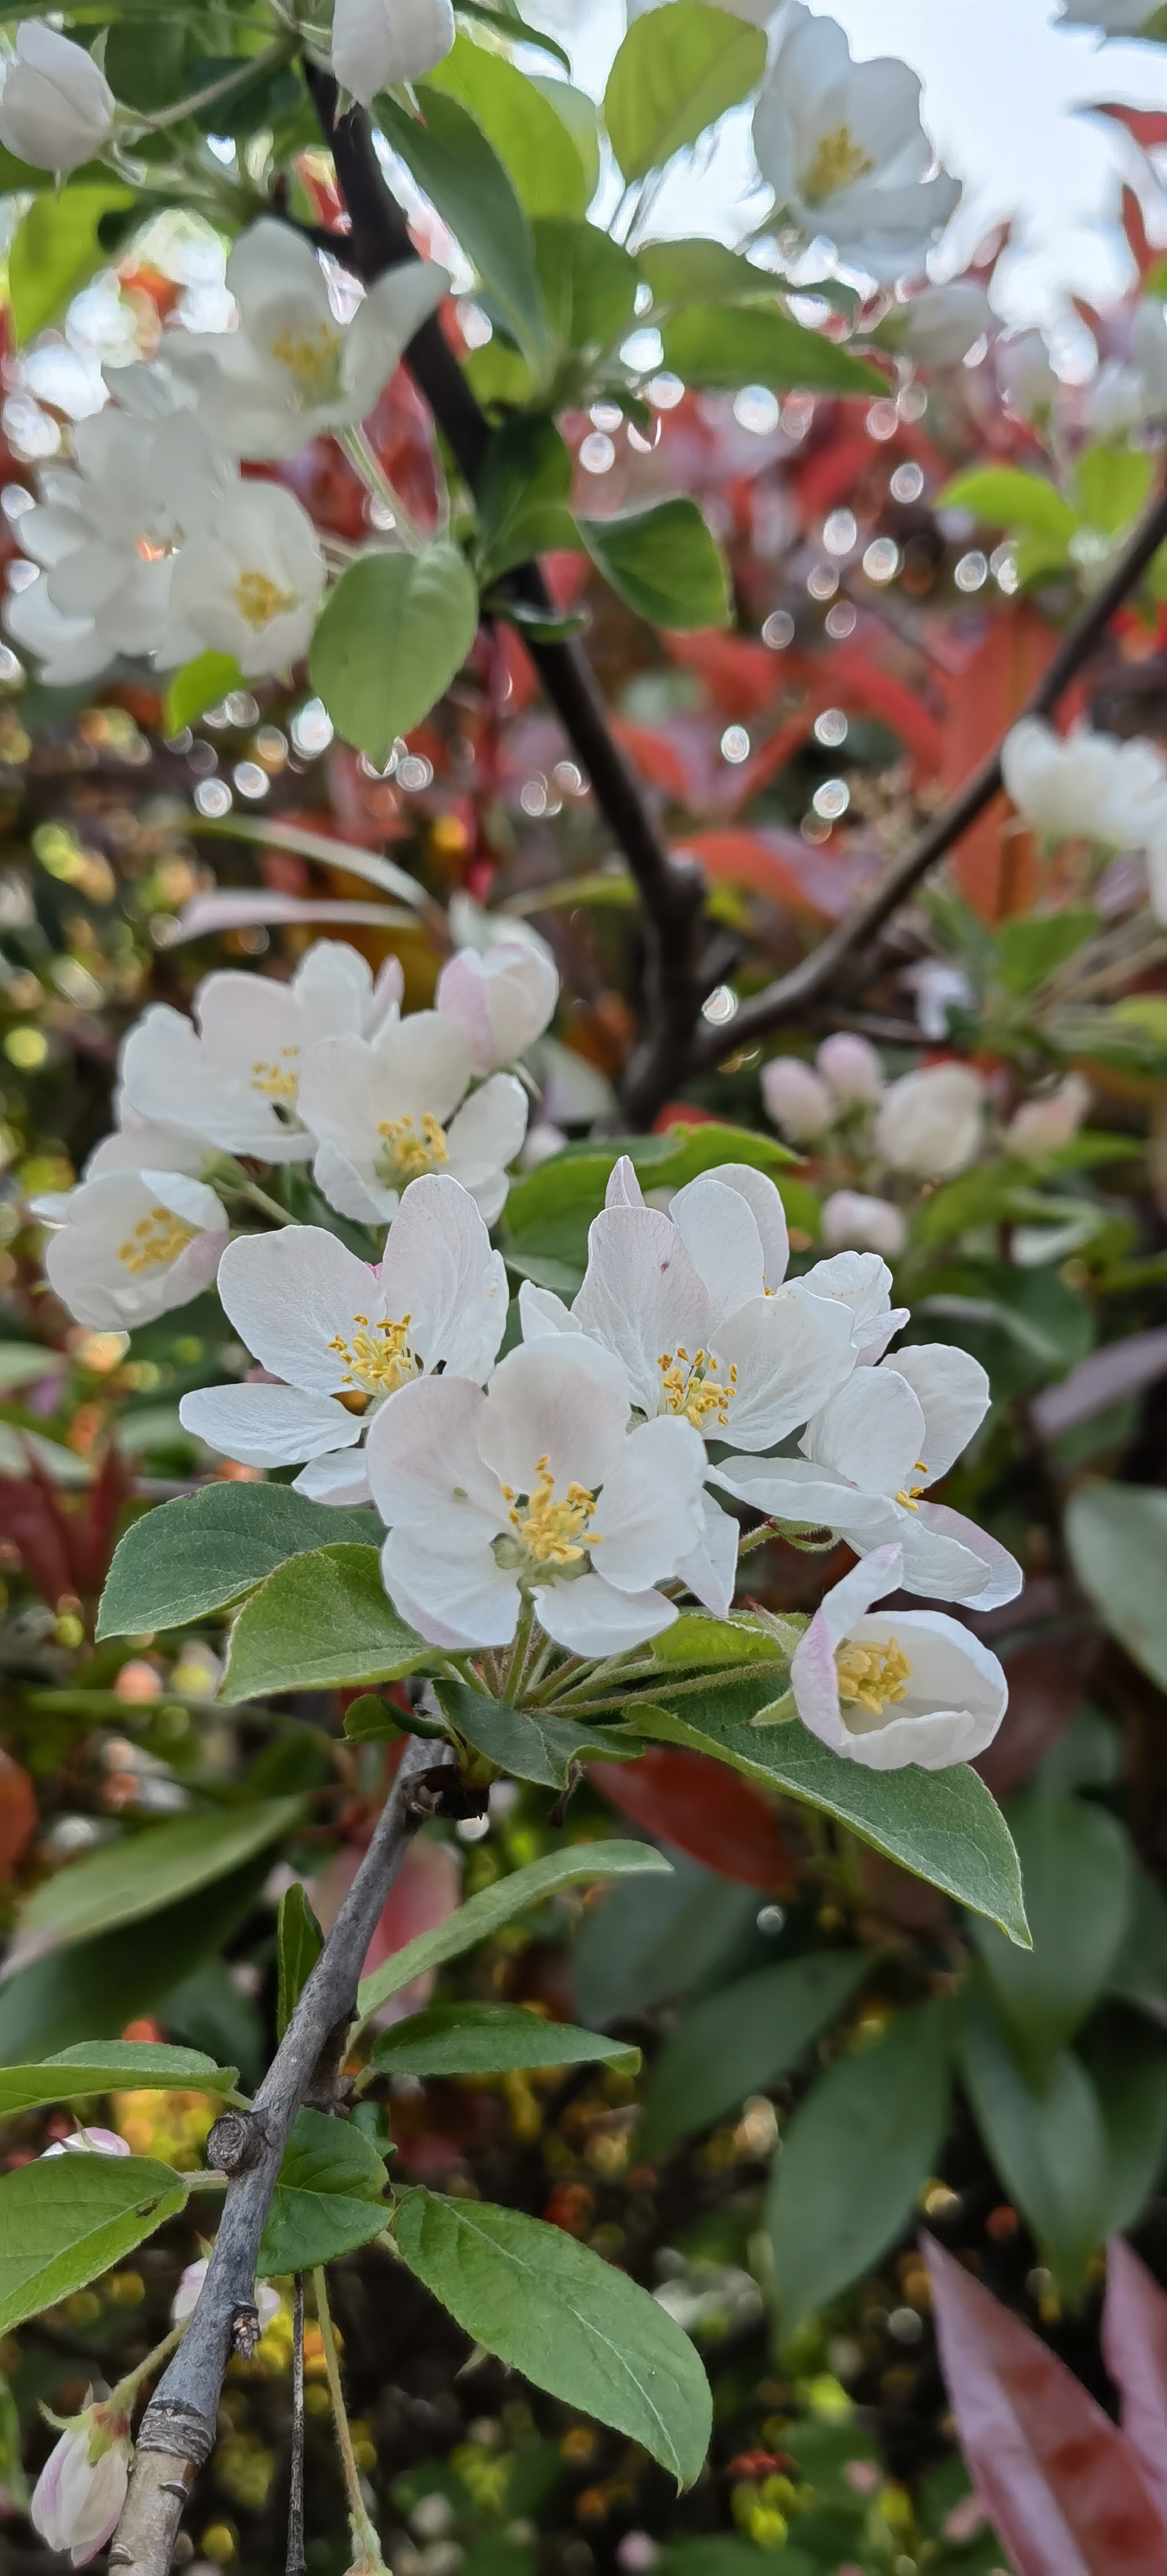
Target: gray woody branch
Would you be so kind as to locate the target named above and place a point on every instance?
(178, 2428)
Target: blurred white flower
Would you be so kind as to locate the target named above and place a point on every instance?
(502, 1000)
(56, 108)
(1086, 785)
(186, 2297)
(1128, 392)
(376, 43)
(1042, 1126)
(796, 1099)
(853, 1222)
(386, 1111)
(79, 2494)
(888, 1691)
(937, 989)
(1026, 375)
(130, 1245)
(930, 1122)
(251, 586)
(939, 326)
(291, 370)
(842, 146)
(851, 1069)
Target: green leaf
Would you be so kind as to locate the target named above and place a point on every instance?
(1117, 1538)
(663, 561)
(652, 1939)
(56, 249)
(697, 1639)
(1128, 2069)
(704, 272)
(577, 112)
(720, 347)
(490, 2039)
(199, 1553)
(98, 1986)
(507, 22)
(319, 1620)
(65, 2219)
(1046, 2137)
(1139, 1974)
(523, 495)
(674, 76)
(142, 1872)
(371, 1721)
(200, 684)
(299, 1942)
(93, 2067)
(328, 2199)
(395, 632)
(1076, 1865)
(574, 1181)
(941, 1825)
(588, 283)
(494, 1906)
(854, 2159)
(1111, 485)
(531, 1743)
(550, 2308)
(1034, 946)
(738, 2041)
(534, 145)
(1005, 496)
(450, 158)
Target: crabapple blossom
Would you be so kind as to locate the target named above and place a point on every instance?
(887, 1691)
(939, 326)
(930, 1122)
(842, 146)
(1085, 786)
(251, 586)
(56, 108)
(376, 43)
(1128, 391)
(232, 1078)
(1042, 1126)
(851, 1069)
(186, 2297)
(291, 370)
(536, 1491)
(341, 1338)
(502, 998)
(868, 1458)
(128, 1246)
(387, 1109)
(91, 2142)
(81, 2489)
(853, 1222)
(1026, 374)
(796, 1099)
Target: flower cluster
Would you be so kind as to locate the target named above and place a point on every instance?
(1088, 786)
(321, 1071)
(928, 1125)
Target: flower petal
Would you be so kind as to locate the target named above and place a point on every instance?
(289, 1295)
(341, 1476)
(871, 1432)
(488, 1131)
(650, 1510)
(642, 1296)
(589, 1618)
(439, 1270)
(710, 1568)
(623, 1190)
(562, 1402)
(267, 1426)
(541, 1312)
(953, 1391)
(352, 1192)
(424, 1461)
(935, 1522)
(720, 1234)
(849, 1599)
(790, 1351)
(453, 1593)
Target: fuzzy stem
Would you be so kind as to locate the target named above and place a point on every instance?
(362, 2529)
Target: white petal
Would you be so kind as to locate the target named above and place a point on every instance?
(424, 1461)
(649, 1513)
(871, 1432)
(289, 1295)
(641, 1296)
(452, 1592)
(790, 1352)
(541, 1312)
(333, 986)
(710, 1569)
(953, 1391)
(623, 1190)
(589, 1618)
(267, 1426)
(761, 1195)
(272, 259)
(488, 1131)
(341, 1476)
(376, 43)
(352, 1192)
(564, 1402)
(1004, 1577)
(439, 1270)
(718, 1229)
(848, 1600)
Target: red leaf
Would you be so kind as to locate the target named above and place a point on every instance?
(748, 859)
(1147, 125)
(32, 1522)
(1064, 2488)
(424, 1893)
(1134, 2348)
(18, 1812)
(706, 1810)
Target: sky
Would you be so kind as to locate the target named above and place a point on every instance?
(1002, 84)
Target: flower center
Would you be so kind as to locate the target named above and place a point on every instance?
(276, 1081)
(838, 161)
(689, 1388)
(312, 358)
(157, 1239)
(412, 1146)
(551, 1531)
(378, 1359)
(258, 598)
(908, 1494)
(870, 1676)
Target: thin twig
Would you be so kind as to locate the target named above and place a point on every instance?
(179, 2425)
(296, 2562)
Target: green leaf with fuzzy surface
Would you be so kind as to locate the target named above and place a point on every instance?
(65, 2219)
(588, 282)
(299, 1942)
(490, 2039)
(523, 495)
(206, 1550)
(80, 2073)
(328, 2199)
(719, 347)
(533, 1744)
(552, 2309)
(673, 77)
(141, 1873)
(320, 1620)
(395, 632)
(200, 684)
(494, 1906)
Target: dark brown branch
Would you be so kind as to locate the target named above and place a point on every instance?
(825, 969)
(178, 2428)
(671, 890)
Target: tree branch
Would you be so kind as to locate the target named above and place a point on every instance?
(178, 2428)
(671, 890)
(825, 968)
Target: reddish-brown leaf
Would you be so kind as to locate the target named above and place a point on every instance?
(1046, 1679)
(31, 1520)
(1064, 2488)
(18, 1812)
(706, 1810)
(1134, 2348)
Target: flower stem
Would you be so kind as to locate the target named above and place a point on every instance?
(253, 68)
(269, 1206)
(510, 1689)
(362, 455)
(363, 2533)
(121, 2399)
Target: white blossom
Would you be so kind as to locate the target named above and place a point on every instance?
(930, 1122)
(291, 370)
(889, 1690)
(79, 2494)
(854, 1222)
(233, 1077)
(376, 43)
(851, 1070)
(1042, 1126)
(1085, 785)
(130, 1245)
(535, 1489)
(939, 326)
(842, 146)
(502, 999)
(868, 1459)
(1130, 391)
(387, 1110)
(56, 108)
(1026, 374)
(341, 1337)
(186, 2297)
(88, 2142)
(251, 586)
(796, 1099)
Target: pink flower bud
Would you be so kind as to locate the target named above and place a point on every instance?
(851, 1069)
(797, 1099)
(186, 2296)
(81, 2489)
(91, 2142)
(1041, 1127)
(502, 999)
(929, 1122)
(853, 1223)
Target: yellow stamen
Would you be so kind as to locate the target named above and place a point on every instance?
(690, 1389)
(277, 1081)
(838, 161)
(377, 1360)
(258, 598)
(157, 1239)
(412, 1146)
(551, 1531)
(312, 358)
(872, 1676)
(908, 1494)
